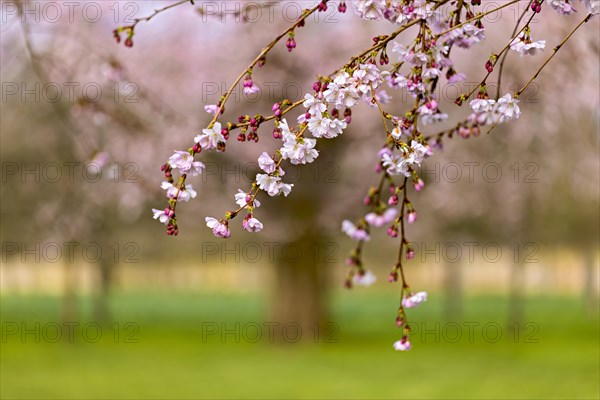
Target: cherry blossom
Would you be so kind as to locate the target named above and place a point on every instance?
(266, 163)
(219, 228)
(315, 106)
(370, 9)
(364, 278)
(252, 224)
(160, 215)
(413, 300)
(299, 151)
(402, 344)
(508, 106)
(524, 46)
(273, 185)
(354, 232)
(563, 7)
(378, 220)
(482, 105)
(211, 108)
(184, 161)
(210, 138)
(592, 6)
(184, 194)
(242, 199)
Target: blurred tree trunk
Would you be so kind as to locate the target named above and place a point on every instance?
(590, 294)
(105, 268)
(516, 294)
(101, 300)
(301, 288)
(69, 312)
(452, 291)
(301, 283)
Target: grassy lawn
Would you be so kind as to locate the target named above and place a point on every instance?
(169, 354)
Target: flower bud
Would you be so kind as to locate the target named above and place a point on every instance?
(291, 44)
(419, 185)
(399, 322)
(411, 216)
(464, 132)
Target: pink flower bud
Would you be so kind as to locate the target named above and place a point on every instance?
(419, 185)
(411, 216)
(291, 44)
(464, 132)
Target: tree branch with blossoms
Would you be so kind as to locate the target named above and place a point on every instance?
(420, 65)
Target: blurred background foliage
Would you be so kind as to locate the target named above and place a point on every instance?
(541, 212)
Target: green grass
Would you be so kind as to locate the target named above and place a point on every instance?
(171, 360)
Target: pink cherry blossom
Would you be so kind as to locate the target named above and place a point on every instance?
(219, 229)
(413, 300)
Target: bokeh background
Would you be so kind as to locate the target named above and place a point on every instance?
(97, 302)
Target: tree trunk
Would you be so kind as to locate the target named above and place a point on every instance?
(590, 294)
(299, 302)
(516, 296)
(69, 312)
(453, 291)
(101, 299)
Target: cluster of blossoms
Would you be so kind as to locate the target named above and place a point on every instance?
(417, 67)
(525, 46)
